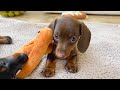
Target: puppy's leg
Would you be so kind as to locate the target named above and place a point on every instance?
(49, 70)
(5, 40)
(71, 65)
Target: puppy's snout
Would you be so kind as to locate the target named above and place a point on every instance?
(3, 66)
(60, 54)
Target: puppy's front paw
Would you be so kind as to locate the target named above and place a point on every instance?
(72, 68)
(48, 72)
(8, 40)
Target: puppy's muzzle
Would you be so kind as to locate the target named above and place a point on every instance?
(60, 54)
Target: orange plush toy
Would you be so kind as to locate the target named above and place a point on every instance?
(35, 50)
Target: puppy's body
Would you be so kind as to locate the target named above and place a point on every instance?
(69, 34)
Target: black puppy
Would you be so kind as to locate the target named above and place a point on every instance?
(69, 34)
(10, 65)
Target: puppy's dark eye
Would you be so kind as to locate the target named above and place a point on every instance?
(56, 36)
(73, 39)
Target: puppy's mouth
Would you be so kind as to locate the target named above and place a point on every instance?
(61, 58)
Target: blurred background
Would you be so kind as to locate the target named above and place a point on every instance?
(48, 16)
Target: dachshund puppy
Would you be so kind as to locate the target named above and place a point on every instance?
(5, 40)
(70, 35)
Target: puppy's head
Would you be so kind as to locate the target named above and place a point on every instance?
(68, 33)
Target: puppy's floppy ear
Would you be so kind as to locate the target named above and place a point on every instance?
(85, 37)
(52, 24)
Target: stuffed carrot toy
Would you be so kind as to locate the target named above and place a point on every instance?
(35, 49)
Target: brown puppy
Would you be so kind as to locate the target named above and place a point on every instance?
(69, 34)
(5, 40)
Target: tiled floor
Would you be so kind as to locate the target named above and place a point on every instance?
(42, 17)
